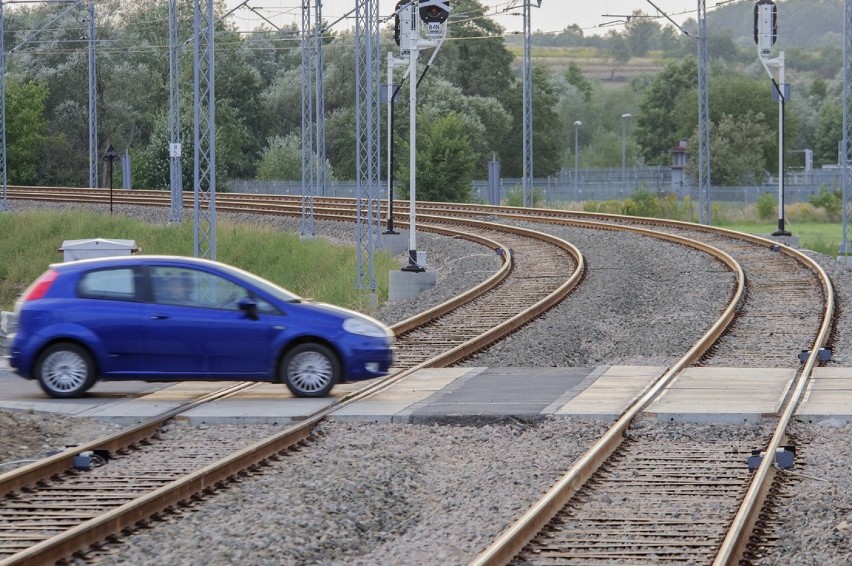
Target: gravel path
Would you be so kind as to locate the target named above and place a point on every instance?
(405, 494)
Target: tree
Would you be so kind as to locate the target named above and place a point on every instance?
(151, 162)
(617, 53)
(547, 128)
(26, 131)
(282, 160)
(340, 142)
(735, 158)
(575, 77)
(476, 60)
(486, 121)
(445, 161)
(642, 33)
(743, 98)
(829, 132)
(721, 46)
(571, 35)
(656, 132)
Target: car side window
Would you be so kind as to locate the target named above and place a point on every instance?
(114, 284)
(193, 288)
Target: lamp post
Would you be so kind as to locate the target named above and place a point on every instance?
(110, 157)
(577, 125)
(624, 119)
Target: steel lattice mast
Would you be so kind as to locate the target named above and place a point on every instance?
(175, 168)
(204, 132)
(527, 103)
(307, 228)
(93, 102)
(367, 139)
(4, 205)
(319, 107)
(846, 153)
(705, 204)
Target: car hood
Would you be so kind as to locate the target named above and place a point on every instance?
(336, 312)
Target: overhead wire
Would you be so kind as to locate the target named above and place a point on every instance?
(499, 9)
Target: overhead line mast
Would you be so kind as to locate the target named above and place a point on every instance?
(93, 102)
(367, 140)
(705, 200)
(845, 252)
(204, 131)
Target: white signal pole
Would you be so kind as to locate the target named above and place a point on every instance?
(765, 34)
(410, 22)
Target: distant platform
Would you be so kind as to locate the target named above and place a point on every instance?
(469, 395)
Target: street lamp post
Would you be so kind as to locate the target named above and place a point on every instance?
(577, 125)
(624, 119)
(110, 157)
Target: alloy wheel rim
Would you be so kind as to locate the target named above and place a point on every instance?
(64, 371)
(310, 371)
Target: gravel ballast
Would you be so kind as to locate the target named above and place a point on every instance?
(415, 494)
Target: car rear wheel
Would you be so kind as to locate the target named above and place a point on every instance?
(65, 370)
(310, 370)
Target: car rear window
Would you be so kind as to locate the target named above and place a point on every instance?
(116, 284)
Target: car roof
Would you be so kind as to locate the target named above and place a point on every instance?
(118, 261)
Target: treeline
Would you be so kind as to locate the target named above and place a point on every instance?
(809, 31)
(470, 103)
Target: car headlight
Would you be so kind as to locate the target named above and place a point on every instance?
(364, 328)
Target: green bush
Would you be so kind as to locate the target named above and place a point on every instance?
(515, 197)
(643, 203)
(831, 201)
(605, 207)
(766, 206)
(805, 212)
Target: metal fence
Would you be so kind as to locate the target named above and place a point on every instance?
(603, 184)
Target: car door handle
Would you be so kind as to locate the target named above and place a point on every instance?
(159, 316)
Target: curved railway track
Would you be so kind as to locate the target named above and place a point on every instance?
(698, 476)
(50, 512)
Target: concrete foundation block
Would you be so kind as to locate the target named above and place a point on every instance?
(407, 284)
(789, 241)
(394, 243)
(8, 322)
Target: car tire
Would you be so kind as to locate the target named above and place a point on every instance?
(65, 370)
(310, 370)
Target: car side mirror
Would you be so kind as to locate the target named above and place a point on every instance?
(249, 307)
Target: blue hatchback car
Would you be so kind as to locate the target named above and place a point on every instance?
(162, 318)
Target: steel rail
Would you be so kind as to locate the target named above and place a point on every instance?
(509, 543)
(736, 541)
(61, 462)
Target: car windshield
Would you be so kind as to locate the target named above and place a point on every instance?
(266, 286)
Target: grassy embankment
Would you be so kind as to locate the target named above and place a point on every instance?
(311, 268)
(822, 237)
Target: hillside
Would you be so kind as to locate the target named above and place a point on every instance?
(801, 23)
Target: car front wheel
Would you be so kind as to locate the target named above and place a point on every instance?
(310, 370)
(65, 371)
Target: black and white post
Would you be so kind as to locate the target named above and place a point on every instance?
(765, 35)
(110, 156)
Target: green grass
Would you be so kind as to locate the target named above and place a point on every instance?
(822, 237)
(29, 242)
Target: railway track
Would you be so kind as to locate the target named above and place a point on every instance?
(628, 545)
(49, 511)
(638, 495)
